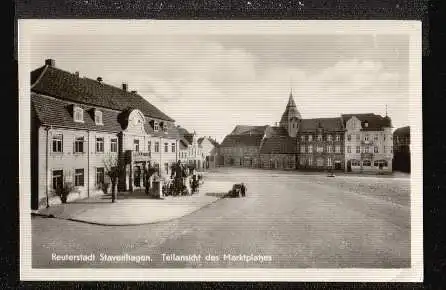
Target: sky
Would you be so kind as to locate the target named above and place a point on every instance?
(211, 83)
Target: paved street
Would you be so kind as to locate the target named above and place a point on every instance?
(300, 220)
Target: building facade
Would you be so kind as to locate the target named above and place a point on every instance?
(369, 143)
(81, 127)
(351, 142)
(401, 146)
(209, 149)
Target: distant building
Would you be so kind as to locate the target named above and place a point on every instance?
(209, 150)
(401, 145)
(79, 125)
(369, 144)
(352, 142)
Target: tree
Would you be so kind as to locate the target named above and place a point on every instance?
(113, 169)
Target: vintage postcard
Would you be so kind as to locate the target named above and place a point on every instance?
(220, 150)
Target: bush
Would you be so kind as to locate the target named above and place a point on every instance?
(64, 191)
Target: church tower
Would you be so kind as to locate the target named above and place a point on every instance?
(290, 120)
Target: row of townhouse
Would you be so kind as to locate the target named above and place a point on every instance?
(82, 127)
(351, 142)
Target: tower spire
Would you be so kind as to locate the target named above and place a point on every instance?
(291, 85)
(386, 110)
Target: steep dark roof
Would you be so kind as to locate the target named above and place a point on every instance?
(247, 129)
(242, 140)
(277, 131)
(60, 84)
(376, 122)
(189, 138)
(403, 131)
(330, 124)
(279, 145)
(290, 108)
(53, 112)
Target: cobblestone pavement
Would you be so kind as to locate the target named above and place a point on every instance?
(292, 220)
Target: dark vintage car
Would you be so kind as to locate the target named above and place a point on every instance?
(238, 190)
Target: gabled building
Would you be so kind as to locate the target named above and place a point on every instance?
(79, 125)
(209, 149)
(369, 143)
(242, 150)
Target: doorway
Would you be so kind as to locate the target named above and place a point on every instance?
(137, 179)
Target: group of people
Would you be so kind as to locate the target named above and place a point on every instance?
(184, 180)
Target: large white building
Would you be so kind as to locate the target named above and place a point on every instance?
(79, 125)
(368, 143)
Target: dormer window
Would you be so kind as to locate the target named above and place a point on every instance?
(165, 127)
(98, 117)
(366, 124)
(156, 126)
(78, 114)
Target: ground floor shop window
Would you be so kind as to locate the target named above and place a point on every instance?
(380, 163)
(366, 163)
(355, 163)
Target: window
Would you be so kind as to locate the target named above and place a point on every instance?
(310, 138)
(349, 137)
(166, 147)
(173, 147)
(156, 126)
(329, 161)
(329, 149)
(149, 146)
(355, 163)
(319, 148)
(114, 145)
(166, 167)
(366, 124)
(98, 117)
(78, 114)
(366, 149)
(375, 149)
(338, 149)
(376, 138)
(320, 162)
(310, 148)
(329, 138)
(157, 147)
(366, 138)
(319, 137)
(380, 163)
(310, 161)
(79, 177)
(99, 144)
(79, 145)
(302, 148)
(164, 127)
(358, 149)
(57, 143)
(349, 149)
(366, 163)
(57, 179)
(302, 138)
(99, 175)
(338, 138)
(302, 161)
(136, 145)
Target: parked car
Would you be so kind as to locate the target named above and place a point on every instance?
(238, 190)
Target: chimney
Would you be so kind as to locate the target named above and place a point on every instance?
(133, 92)
(50, 62)
(99, 79)
(124, 86)
(76, 74)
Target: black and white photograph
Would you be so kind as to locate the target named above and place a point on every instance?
(220, 150)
